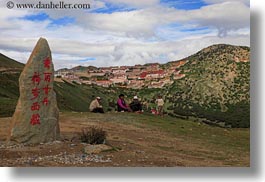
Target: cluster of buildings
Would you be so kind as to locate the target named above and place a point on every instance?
(152, 75)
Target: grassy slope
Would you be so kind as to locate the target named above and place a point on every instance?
(231, 146)
(76, 97)
(9, 93)
(9, 90)
(6, 62)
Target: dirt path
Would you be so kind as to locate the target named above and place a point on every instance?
(138, 144)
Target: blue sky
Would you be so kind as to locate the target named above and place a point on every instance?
(124, 32)
(185, 5)
(112, 8)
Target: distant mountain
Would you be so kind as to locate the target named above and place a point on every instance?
(78, 69)
(8, 63)
(63, 69)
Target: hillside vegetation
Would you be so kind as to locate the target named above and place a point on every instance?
(215, 89)
(8, 63)
(216, 86)
(9, 88)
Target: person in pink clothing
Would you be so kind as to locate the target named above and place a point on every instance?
(121, 104)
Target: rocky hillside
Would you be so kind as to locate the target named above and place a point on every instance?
(216, 85)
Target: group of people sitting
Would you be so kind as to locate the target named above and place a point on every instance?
(134, 106)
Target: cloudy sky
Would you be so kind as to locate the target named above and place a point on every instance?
(124, 32)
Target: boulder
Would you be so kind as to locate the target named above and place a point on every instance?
(36, 116)
(95, 149)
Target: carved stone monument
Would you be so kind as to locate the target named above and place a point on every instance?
(36, 116)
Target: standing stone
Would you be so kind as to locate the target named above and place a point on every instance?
(36, 116)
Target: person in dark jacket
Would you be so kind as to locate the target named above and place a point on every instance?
(136, 105)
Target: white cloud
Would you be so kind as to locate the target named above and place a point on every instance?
(225, 17)
(141, 53)
(247, 2)
(126, 53)
(125, 38)
(145, 3)
(133, 23)
(144, 22)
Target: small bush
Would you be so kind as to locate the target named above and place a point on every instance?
(93, 135)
